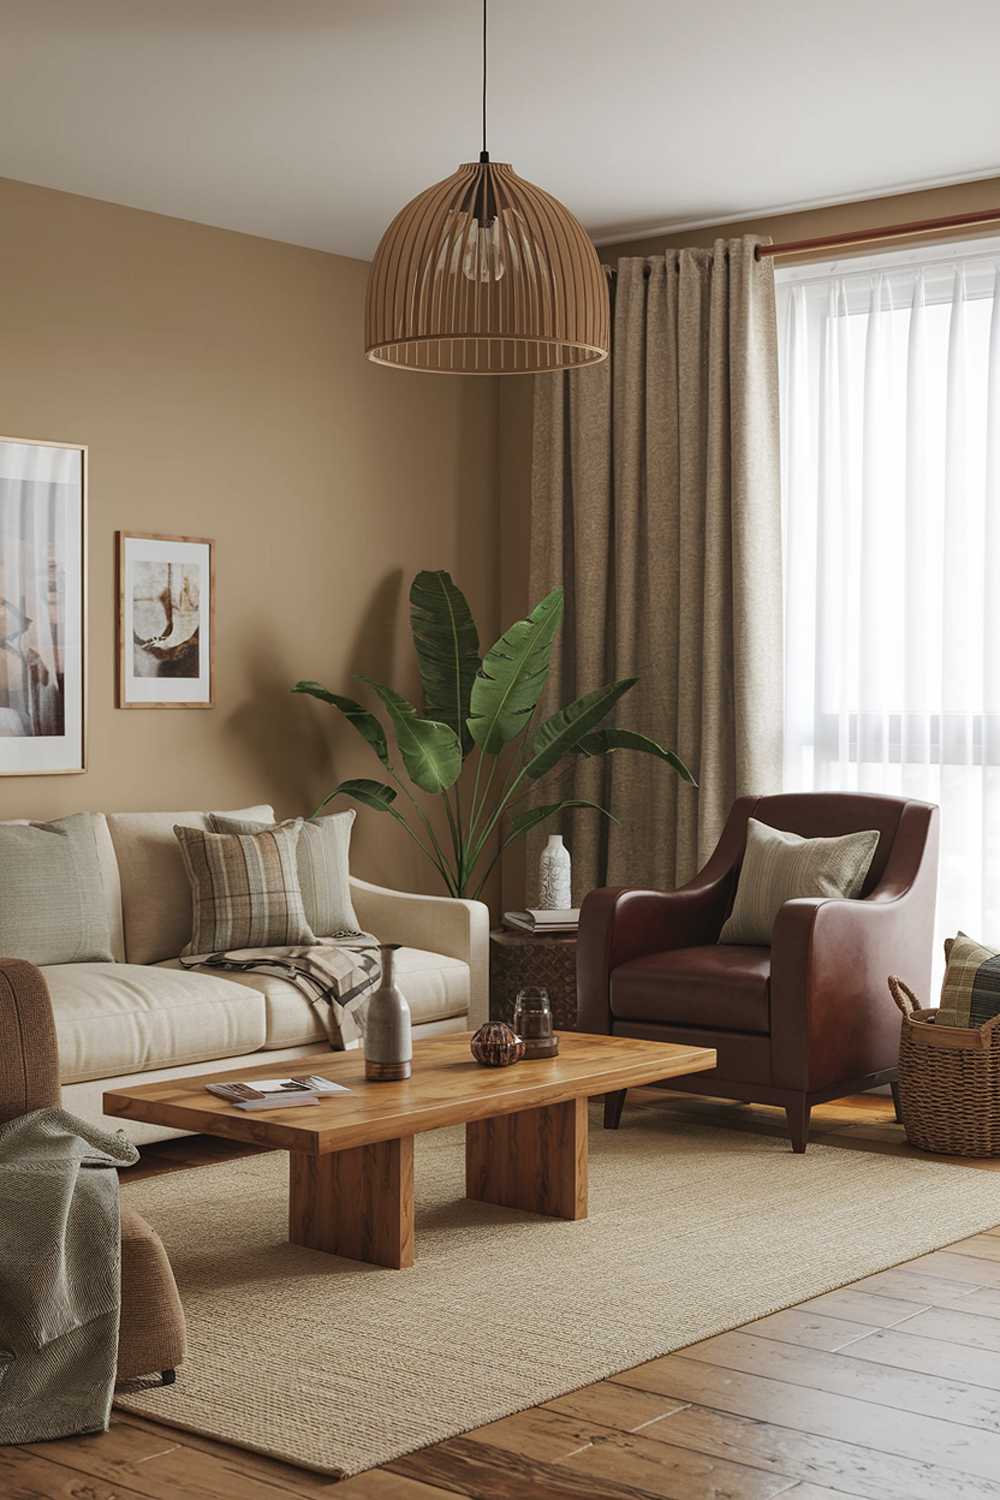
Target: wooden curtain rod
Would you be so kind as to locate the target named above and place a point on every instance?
(885, 232)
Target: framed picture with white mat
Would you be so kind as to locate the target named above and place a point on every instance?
(43, 604)
(166, 620)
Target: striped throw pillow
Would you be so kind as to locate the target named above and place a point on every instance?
(779, 866)
(245, 890)
(970, 995)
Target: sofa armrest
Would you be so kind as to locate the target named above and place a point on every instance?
(618, 924)
(832, 1018)
(440, 924)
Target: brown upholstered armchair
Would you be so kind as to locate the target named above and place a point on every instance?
(152, 1332)
(809, 1018)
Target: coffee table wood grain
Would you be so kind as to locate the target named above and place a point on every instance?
(351, 1157)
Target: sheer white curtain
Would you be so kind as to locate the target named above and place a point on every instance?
(890, 416)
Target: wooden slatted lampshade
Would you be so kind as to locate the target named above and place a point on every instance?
(486, 274)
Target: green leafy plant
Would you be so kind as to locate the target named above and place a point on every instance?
(479, 708)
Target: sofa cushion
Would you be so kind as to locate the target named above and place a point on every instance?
(111, 891)
(715, 987)
(436, 989)
(53, 908)
(156, 897)
(121, 1018)
(323, 858)
(245, 889)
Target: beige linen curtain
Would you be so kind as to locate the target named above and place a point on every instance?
(655, 502)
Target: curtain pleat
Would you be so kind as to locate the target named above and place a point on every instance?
(655, 502)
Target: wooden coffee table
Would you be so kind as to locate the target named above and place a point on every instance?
(351, 1157)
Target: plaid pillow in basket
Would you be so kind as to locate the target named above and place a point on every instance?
(970, 994)
(245, 890)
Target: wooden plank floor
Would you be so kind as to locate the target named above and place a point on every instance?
(889, 1388)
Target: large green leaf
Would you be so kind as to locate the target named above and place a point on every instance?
(365, 723)
(432, 752)
(602, 741)
(564, 729)
(372, 793)
(447, 645)
(513, 673)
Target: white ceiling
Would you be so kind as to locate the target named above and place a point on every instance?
(315, 120)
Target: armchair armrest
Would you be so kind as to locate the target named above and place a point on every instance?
(441, 924)
(29, 1055)
(832, 1018)
(618, 924)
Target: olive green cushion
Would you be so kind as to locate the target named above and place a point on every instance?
(53, 906)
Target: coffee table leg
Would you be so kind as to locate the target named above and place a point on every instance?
(357, 1203)
(535, 1160)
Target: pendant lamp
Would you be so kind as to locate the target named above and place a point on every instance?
(486, 274)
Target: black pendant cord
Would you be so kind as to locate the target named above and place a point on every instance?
(484, 155)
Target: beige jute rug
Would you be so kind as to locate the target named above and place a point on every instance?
(693, 1230)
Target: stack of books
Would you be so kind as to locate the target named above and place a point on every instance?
(276, 1093)
(543, 921)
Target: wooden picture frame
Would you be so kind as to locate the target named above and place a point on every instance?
(43, 607)
(165, 620)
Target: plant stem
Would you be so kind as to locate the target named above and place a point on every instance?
(441, 869)
(454, 825)
(440, 862)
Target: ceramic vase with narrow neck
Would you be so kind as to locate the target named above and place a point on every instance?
(555, 886)
(388, 1031)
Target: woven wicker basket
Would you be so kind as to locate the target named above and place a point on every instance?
(949, 1081)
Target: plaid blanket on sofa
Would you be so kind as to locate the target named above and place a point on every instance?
(337, 975)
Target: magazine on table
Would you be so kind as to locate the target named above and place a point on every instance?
(276, 1093)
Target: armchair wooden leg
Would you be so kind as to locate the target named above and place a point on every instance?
(613, 1106)
(895, 1103)
(797, 1115)
(168, 1377)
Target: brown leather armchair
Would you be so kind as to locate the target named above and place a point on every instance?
(151, 1335)
(809, 1018)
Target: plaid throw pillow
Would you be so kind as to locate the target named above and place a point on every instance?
(245, 889)
(970, 995)
(779, 867)
(324, 871)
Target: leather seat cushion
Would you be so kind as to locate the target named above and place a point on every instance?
(436, 988)
(113, 1019)
(726, 987)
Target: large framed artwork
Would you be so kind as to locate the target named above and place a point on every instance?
(166, 620)
(43, 566)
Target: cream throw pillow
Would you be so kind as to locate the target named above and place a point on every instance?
(779, 866)
(53, 907)
(245, 889)
(324, 868)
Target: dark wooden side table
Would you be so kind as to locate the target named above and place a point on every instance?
(524, 960)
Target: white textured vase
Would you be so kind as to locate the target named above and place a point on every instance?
(555, 886)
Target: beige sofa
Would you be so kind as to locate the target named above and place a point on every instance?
(144, 1018)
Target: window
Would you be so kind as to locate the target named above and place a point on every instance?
(890, 415)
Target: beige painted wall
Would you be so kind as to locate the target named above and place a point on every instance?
(219, 382)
